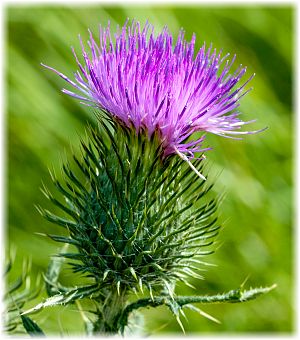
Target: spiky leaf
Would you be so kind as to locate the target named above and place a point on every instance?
(31, 327)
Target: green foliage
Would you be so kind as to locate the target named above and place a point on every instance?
(177, 304)
(31, 327)
(17, 294)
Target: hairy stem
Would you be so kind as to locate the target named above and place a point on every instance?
(109, 312)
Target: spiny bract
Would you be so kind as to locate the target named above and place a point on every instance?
(137, 219)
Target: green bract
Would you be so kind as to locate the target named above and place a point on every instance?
(136, 220)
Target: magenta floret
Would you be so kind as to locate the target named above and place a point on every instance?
(146, 81)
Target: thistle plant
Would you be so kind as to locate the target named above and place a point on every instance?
(136, 206)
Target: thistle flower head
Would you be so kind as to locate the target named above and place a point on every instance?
(153, 84)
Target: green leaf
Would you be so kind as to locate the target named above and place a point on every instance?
(16, 295)
(31, 327)
(177, 302)
(52, 274)
(65, 298)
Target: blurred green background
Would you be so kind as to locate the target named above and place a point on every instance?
(256, 173)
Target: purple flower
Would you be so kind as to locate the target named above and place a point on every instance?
(150, 83)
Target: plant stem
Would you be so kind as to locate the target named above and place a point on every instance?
(113, 305)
